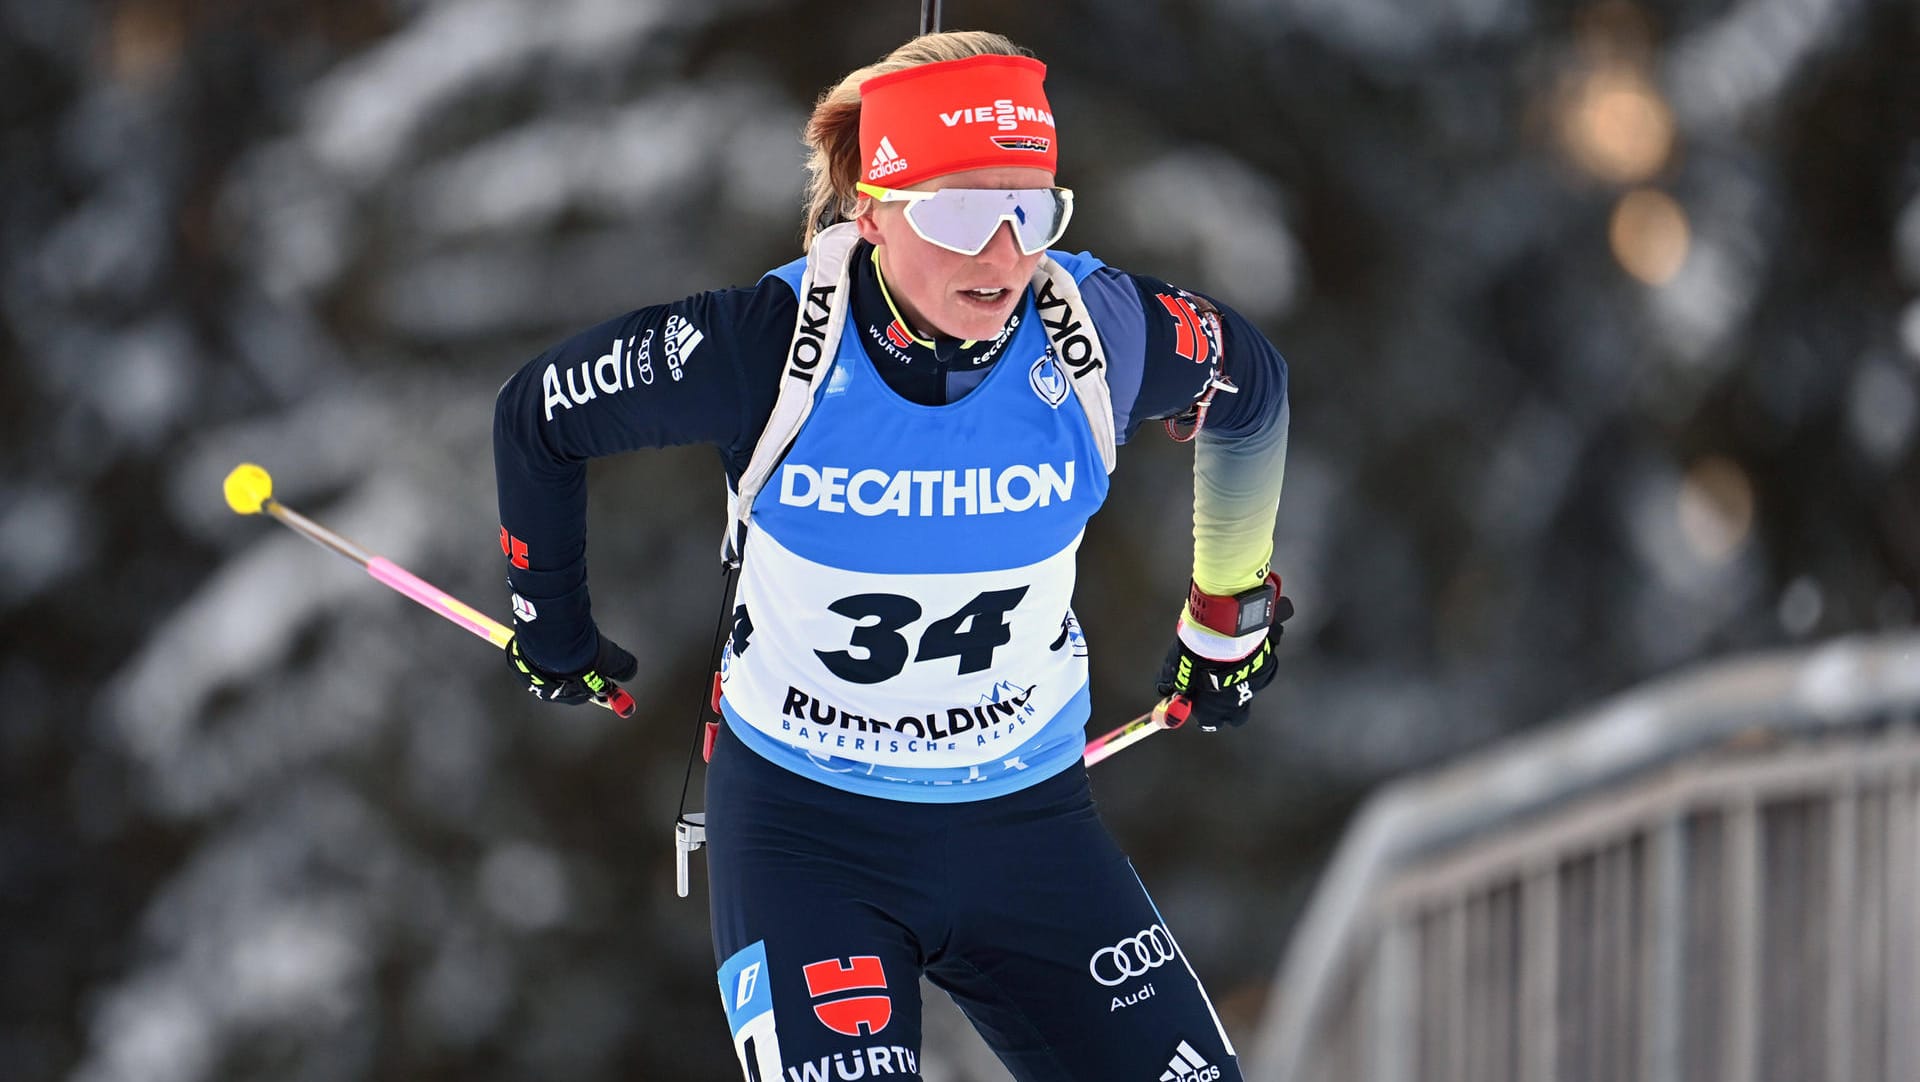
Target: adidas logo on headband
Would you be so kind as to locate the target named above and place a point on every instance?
(886, 160)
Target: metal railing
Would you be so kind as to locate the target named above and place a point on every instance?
(1714, 878)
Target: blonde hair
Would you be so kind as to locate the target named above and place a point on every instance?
(833, 132)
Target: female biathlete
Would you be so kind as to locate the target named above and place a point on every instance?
(917, 418)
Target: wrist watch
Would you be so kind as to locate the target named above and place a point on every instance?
(1235, 614)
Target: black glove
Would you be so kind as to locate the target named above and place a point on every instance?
(1221, 692)
(610, 663)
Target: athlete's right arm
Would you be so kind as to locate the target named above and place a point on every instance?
(699, 370)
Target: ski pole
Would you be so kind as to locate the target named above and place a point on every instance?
(1170, 713)
(249, 491)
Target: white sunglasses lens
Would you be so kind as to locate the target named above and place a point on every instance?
(964, 219)
(1039, 218)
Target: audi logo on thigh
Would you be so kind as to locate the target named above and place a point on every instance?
(1132, 957)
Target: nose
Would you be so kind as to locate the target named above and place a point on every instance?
(1002, 250)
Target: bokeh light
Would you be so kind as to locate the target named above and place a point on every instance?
(1616, 126)
(1715, 508)
(1649, 235)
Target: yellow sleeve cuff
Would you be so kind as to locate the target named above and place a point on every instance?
(1236, 499)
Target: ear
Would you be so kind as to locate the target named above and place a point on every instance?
(869, 229)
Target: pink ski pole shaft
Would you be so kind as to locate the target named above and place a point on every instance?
(248, 491)
(1168, 714)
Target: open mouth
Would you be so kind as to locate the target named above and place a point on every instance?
(984, 296)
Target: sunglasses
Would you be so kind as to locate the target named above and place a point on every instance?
(964, 220)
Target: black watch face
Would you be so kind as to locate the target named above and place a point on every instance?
(1255, 613)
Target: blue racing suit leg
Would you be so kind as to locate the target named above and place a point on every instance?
(817, 936)
(1063, 963)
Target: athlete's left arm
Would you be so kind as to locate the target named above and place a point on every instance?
(1165, 347)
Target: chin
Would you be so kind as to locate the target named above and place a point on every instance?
(977, 326)
(978, 332)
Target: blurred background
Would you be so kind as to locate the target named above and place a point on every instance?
(1603, 320)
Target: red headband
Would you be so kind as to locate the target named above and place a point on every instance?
(935, 119)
